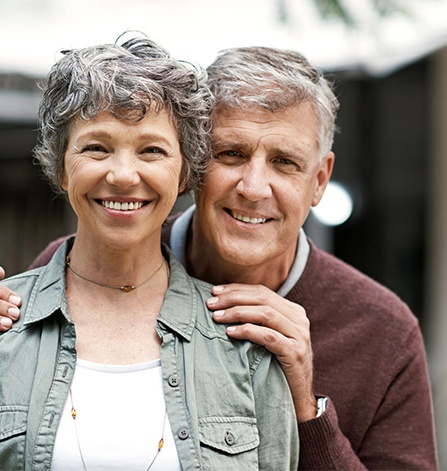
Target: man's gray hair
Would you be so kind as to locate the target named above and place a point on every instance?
(251, 77)
(129, 81)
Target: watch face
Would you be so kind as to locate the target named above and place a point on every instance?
(321, 404)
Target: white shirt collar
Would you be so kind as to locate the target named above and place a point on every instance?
(179, 235)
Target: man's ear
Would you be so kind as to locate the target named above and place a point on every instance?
(323, 177)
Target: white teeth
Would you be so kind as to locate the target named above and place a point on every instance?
(116, 205)
(239, 217)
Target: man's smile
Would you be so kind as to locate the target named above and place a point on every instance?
(247, 219)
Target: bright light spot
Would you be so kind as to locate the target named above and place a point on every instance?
(335, 207)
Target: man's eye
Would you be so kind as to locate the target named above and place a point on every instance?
(287, 165)
(284, 161)
(228, 156)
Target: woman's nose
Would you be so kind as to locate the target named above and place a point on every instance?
(123, 171)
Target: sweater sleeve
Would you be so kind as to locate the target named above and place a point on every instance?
(323, 445)
(45, 256)
(401, 433)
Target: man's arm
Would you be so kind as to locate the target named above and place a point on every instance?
(400, 434)
(279, 325)
(9, 301)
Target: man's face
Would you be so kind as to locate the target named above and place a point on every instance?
(264, 178)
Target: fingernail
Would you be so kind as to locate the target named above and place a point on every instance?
(212, 300)
(14, 299)
(218, 289)
(14, 312)
(231, 329)
(5, 322)
(218, 313)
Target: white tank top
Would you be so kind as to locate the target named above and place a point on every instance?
(120, 413)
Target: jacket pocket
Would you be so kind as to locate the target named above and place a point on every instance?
(12, 437)
(229, 443)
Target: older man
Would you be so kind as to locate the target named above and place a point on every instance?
(351, 350)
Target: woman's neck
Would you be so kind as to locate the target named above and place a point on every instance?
(115, 266)
(116, 326)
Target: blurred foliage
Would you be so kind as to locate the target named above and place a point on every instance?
(383, 8)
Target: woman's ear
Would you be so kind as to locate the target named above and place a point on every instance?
(184, 178)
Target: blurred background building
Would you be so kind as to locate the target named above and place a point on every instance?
(388, 60)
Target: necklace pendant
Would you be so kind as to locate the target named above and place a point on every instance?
(127, 288)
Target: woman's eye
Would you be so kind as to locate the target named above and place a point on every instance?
(94, 148)
(154, 151)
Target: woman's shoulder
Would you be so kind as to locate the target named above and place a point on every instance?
(24, 282)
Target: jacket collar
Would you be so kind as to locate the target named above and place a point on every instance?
(49, 295)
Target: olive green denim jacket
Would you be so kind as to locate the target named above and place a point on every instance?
(228, 401)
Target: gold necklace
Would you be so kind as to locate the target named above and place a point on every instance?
(125, 288)
(160, 445)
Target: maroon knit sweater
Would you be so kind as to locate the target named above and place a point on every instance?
(369, 361)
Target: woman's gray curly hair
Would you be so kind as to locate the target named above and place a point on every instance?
(251, 77)
(129, 81)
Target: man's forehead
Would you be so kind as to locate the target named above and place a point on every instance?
(223, 114)
(296, 124)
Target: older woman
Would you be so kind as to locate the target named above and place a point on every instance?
(115, 362)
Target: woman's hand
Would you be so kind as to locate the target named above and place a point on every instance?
(265, 318)
(9, 305)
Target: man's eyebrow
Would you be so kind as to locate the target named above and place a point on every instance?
(226, 142)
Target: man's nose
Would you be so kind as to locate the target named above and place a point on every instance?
(254, 182)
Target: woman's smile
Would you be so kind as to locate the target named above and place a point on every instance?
(126, 206)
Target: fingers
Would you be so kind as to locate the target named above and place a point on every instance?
(257, 314)
(9, 307)
(2, 273)
(263, 317)
(280, 345)
(5, 324)
(267, 308)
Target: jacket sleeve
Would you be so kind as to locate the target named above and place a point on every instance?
(401, 432)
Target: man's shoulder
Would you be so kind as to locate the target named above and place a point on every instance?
(330, 280)
(331, 269)
(47, 253)
(166, 228)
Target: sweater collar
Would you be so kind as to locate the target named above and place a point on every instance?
(179, 237)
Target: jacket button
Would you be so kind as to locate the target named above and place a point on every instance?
(173, 381)
(183, 433)
(229, 438)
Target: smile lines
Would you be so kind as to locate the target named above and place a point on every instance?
(117, 206)
(239, 217)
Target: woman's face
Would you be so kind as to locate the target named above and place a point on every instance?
(122, 177)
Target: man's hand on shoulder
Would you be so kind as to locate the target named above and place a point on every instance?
(9, 305)
(262, 316)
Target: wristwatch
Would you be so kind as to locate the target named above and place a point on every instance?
(321, 405)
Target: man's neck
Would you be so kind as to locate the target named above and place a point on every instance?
(205, 263)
